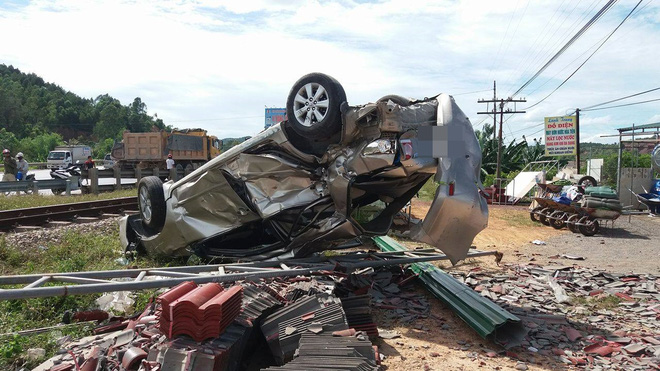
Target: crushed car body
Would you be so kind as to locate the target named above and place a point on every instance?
(296, 188)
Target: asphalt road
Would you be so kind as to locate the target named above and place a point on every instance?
(45, 174)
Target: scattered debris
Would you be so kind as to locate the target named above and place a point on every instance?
(539, 242)
(614, 321)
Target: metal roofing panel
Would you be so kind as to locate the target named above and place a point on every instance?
(485, 317)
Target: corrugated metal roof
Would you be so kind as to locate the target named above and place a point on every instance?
(488, 319)
(638, 127)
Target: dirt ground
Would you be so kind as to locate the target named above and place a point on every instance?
(445, 342)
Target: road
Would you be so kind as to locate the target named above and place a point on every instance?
(45, 174)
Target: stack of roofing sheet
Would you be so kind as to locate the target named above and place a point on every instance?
(319, 313)
(220, 354)
(257, 300)
(200, 312)
(327, 352)
(358, 314)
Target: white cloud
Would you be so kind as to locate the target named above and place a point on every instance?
(201, 60)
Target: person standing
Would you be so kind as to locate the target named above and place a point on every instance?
(22, 165)
(169, 162)
(89, 164)
(11, 169)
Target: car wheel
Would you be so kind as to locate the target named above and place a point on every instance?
(396, 99)
(151, 202)
(313, 106)
(57, 191)
(587, 181)
(590, 230)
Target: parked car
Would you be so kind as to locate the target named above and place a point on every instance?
(294, 189)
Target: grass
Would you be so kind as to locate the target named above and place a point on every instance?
(25, 201)
(73, 252)
(596, 303)
(427, 192)
(518, 218)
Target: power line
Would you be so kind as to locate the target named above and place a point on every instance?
(538, 53)
(219, 119)
(470, 92)
(618, 99)
(588, 58)
(570, 42)
(497, 56)
(621, 105)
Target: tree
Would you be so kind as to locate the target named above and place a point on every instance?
(628, 159)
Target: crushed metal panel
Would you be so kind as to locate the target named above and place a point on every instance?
(458, 212)
(488, 319)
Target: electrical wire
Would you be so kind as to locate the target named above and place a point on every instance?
(570, 42)
(497, 55)
(589, 50)
(540, 56)
(618, 99)
(219, 119)
(536, 52)
(588, 58)
(622, 105)
(471, 92)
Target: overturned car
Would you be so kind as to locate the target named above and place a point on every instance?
(294, 189)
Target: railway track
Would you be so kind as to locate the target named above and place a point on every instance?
(44, 216)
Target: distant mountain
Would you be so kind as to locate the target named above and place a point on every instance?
(230, 142)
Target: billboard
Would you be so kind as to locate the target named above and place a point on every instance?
(560, 136)
(273, 116)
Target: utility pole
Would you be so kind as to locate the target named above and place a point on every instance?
(494, 116)
(577, 139)
(502, 103)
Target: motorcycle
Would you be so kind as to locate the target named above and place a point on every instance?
(71, 172)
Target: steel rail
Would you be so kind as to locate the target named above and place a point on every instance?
(42, 215)
(98, 281)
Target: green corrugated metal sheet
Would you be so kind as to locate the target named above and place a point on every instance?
(487, 318)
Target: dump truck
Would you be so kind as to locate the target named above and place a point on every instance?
(63, 156)
(189, 148)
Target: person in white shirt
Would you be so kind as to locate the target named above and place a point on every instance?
(22, 165)
(169, 162)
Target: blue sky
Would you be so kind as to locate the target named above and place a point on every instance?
(217, 64)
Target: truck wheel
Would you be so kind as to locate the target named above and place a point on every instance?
(151, 202)
(313, 106)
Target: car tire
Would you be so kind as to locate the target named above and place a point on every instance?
(587, 179)
(313, 106)
(151, 203)
(396, 99)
